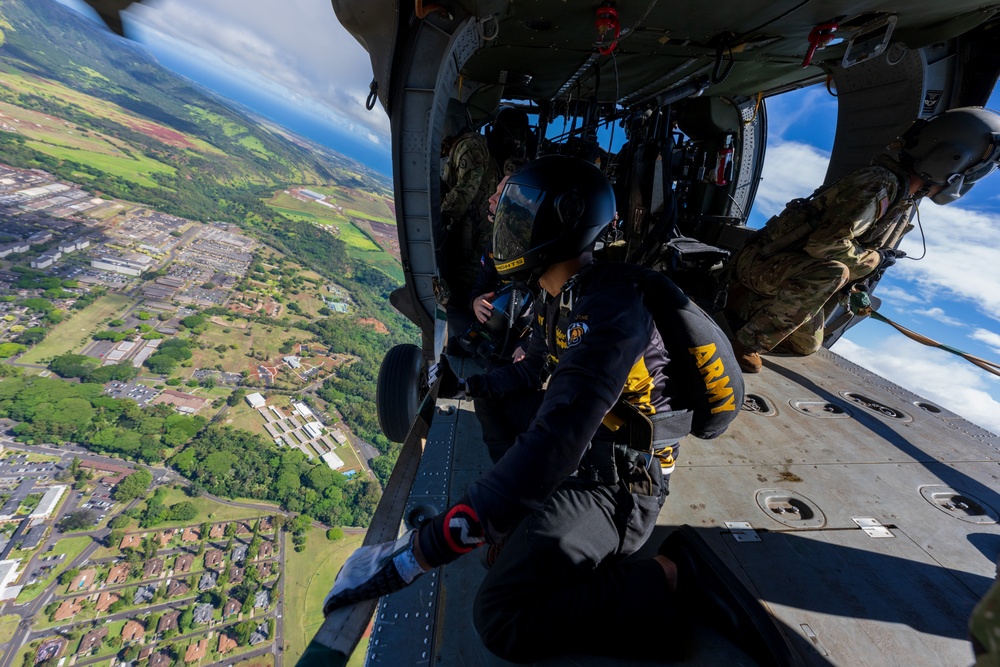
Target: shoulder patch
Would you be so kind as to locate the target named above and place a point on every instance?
(883, 203)
(575, 333)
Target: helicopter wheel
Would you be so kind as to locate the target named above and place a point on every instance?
(402, 383)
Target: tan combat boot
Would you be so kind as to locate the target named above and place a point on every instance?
(749, 360)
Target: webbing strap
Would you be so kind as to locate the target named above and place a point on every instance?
(988, 366)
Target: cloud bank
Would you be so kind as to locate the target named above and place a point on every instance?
(295, 48)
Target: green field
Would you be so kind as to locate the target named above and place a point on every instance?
(310, 576)
(348, 233)
(72, 547)
(8, 625)
(358, 203)
(234, 361)
(68, 334)
(208, 510)
(128, 168)
(245, 418)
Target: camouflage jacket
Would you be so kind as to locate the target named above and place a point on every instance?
(470, 178)
(835, 222)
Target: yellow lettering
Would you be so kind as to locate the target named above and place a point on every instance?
(728, 406)
(702, 353)
(507, 266)
(713, 370)
(719, 390)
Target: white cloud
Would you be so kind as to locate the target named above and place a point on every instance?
(896, 295)
(963, 257)
(933, 374)
(296, 48)
(791, 170)
(963, 245)
(988, 338)
(938, 315)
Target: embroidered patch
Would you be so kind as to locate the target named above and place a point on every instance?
(575, 333)
(463, 532)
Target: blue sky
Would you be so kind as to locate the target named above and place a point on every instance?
(952, 296)
(293, 62)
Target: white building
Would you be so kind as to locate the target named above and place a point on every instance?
(117, 265)
(48, 504)
(255, 400)
(40, 237)
(314, 429)
(293, 362)
(339, 436)
(303, 410)
(8, 575)
(332, 460)
(46, 259)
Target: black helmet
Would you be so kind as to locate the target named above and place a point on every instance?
(552, 210)
(955, 149)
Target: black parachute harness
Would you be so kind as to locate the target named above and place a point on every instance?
(700, 357)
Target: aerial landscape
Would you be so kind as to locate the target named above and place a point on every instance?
(192, 313)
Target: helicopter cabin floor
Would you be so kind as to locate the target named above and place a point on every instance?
(865, 520)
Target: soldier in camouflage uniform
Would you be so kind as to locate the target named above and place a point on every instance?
(792, 268)
(469, 178)
(804, 256)
(984, 627)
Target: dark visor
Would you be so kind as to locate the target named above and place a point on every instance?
(514, 220)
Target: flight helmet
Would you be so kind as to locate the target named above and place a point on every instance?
(955, 149)
(550, 211)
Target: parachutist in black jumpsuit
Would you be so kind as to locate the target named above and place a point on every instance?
(554, 587)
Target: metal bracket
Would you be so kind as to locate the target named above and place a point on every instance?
(742, 531)
(872, 527)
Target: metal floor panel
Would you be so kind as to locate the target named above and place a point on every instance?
(800, 478)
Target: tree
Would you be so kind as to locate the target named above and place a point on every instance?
(78, 520)
(133, 486)
(68, 575)
(115, 537)
(120, 521)
(335, 533)
(186, 620)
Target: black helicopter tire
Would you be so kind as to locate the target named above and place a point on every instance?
(402, 383)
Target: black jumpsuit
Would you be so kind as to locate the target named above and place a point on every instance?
(557, 585)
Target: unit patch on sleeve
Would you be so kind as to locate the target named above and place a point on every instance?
(575, 333)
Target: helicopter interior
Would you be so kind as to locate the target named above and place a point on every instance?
(687, 85)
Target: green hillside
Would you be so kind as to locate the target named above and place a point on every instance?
(97, 110)
(107, 115)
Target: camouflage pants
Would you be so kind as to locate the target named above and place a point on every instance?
(784, 299)
(984, 628)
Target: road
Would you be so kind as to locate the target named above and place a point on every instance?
(24, 633)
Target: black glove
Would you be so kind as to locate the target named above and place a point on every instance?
(373, 571)
(451, 385)
(887, 257)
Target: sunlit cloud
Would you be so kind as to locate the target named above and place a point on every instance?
(898, 295)
(933, 374)
(988, 338)
(938, 315)
(296, 50)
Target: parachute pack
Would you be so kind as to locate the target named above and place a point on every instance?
(701, 358)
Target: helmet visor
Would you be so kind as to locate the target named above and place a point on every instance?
(513, 223)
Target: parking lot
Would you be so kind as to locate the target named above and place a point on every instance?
(139, 393)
